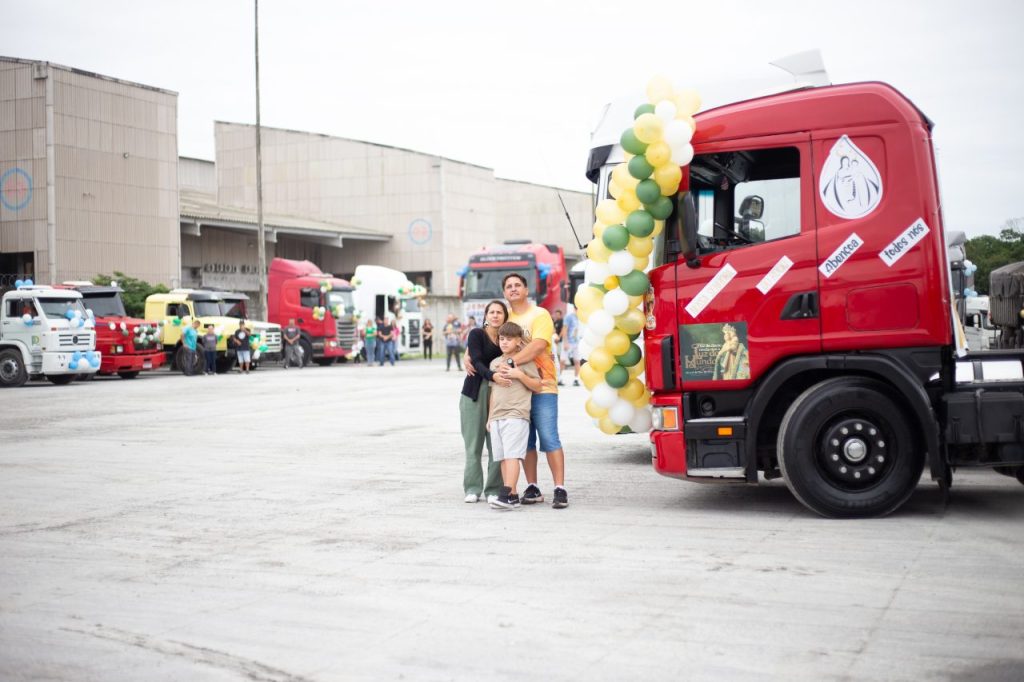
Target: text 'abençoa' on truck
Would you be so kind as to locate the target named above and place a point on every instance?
(800, 322)
(45, 332)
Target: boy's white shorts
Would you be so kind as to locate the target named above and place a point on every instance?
(508, 438)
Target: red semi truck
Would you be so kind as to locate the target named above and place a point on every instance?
(321, 305)
(543, 266)
(800, 321)
(129, 345)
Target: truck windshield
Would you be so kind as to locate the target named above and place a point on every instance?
(206, 308)
(342, 298)
(487, 283)
(58, 307)
(411, 305)
(105, 305)
(235, 309)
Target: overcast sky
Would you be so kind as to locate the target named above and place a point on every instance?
(519, 88)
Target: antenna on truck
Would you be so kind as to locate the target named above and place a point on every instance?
(569, 219)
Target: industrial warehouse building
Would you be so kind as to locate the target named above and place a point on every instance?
(92, 183)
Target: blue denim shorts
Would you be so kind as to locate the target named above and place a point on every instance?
(544, 423)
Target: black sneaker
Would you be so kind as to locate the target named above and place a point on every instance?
(561, 499)
(532, 494)
(505, 499)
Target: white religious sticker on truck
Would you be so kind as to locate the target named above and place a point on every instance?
(711, 290)
(774, 275)
(850, 184)
(841, 255)
(904, 243)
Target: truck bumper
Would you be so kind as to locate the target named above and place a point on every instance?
(668, 453)
(112, 364)
(59, 363)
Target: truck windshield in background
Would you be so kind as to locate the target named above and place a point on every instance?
(334, 298)
(487, 283)
(58, 307)
(105, 305)
(235, 309)
(206, 308)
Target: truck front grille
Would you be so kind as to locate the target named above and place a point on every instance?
(75, 340)
(346, 329)
(273, 340)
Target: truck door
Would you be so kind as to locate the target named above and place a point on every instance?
(753, 299)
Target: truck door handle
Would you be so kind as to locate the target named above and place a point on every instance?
(801, 306)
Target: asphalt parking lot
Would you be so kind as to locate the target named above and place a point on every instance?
(309, 525)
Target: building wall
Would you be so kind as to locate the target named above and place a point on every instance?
(529, 211)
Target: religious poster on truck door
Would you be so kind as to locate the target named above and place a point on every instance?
(716, 351)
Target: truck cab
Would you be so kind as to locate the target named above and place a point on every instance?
(178, 308)
(542, 265)
(45, 332)
(266, 335)
(321, 305)
(384, 292)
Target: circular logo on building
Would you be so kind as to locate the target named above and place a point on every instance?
(15, 189)
(420, 231)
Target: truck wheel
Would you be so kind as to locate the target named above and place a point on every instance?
(846, 451)
(61, 379)
(128, 375)
(307, 352)
(13, 372)
(325, 362)
(179, 361)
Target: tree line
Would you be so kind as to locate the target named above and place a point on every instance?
(989, 253)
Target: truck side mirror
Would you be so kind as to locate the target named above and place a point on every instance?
(688, 223)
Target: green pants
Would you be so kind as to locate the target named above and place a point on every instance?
(474, 434)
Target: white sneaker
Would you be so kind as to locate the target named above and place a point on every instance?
(491, 498)
(472, 498)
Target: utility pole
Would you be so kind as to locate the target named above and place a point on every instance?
(261, 242)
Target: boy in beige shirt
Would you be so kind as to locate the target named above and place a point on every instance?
(508, 419)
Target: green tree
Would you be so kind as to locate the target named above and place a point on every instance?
(135, 291)
(990, 253)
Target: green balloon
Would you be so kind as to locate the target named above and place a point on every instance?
(615, 237)
(648, 191)
(640, 223)
(631, 144)
(630, 357)
(660, 209)
(617, 376)
(634, 283)
(634, 337)
(640, 168)
(643, 109)
(600, 287)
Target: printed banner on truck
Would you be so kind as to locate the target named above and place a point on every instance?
(850, 184)
(716, 351)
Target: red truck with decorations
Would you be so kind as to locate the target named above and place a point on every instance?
(543, 266)
(129, 345)
(321, 305)
(800, 322)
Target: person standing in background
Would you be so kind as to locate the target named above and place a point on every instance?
(291, 345)
(210, 350)
(370, 340)
(189, 340)
(428, 339)
(452, 338)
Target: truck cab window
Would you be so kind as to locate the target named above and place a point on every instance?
(309, 298)
(746, 198)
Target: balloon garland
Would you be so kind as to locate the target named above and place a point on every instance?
(656, 148)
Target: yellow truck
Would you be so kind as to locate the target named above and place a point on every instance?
(178, 308)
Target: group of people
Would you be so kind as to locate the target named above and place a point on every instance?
(509, 401)
(191, 342)
(380, 340)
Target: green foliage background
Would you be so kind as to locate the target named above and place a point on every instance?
(135, 291)
(989, 253)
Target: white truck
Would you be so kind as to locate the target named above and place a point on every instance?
(381, 291)
(45, 332)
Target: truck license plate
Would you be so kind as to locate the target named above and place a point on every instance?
(147, 364)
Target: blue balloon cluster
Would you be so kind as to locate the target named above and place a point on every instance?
(19, 283)
(76, 357)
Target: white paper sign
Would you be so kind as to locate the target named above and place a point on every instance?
(841, 255)
(904, 243)
(850, 184)
(711, 290)
(774, 275)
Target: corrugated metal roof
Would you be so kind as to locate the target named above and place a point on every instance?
(203, 208)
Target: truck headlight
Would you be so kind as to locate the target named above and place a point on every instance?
(664, 418)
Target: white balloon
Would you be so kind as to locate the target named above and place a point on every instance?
(595, 273)
(641, 421)
(616, 302)
(112, 326)
(594, 339)
(677, 133)
(681, 156)
(666, 110)
(586, 348)
(621, 411)
(78, 313)
(621, 263)
(601, 322)
(604, 395)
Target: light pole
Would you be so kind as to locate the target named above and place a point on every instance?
(261, 269)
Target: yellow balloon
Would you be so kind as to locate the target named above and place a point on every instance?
(640, 247)
(595, 411)
(631, 321)
(627, 201)
(636, 370)
(658, 154)
(608, 212)
(589, 377)
(633, 390)
(611, 282)
(601, 359)
(648, 128)
(635, 301)
(659, 88)
(599, 229)
(644, 400)
(596, 250)
(620, 174)
(616, 342)
(667, 177)
(588, 299)
(641, 262)
(615, 190)
(659, 225)
(687, 102)
(608, 426)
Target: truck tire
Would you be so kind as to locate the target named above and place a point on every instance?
(128, 375)
(325, 362)
(179, 361)
(846, 451)
(13, 372)
(61, 379)
(307, 352)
